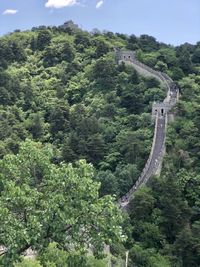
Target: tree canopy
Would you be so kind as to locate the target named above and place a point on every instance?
(75, 133)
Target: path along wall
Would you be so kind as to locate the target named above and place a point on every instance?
(160, 113)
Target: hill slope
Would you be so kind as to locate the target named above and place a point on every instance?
(63, 87)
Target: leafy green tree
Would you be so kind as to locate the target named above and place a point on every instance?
(109, 183)
(187, 245)
(161, 66)
(28, 263)
(142, 205)
(146, 258)
(36, 126)
(59, 50)
(167, 55)
(5, 96)
(41, 202)
(43, 39)
(185, 61)
(102, 47)
(177, 73)
(96, 148)
(126, 176)
(104, 72)
(59, 117)
(92, 262)
(11, 50)
(148, 43)
(132, 42)
(150, 59)
(82, 41)
(53, 256)
(196, 56)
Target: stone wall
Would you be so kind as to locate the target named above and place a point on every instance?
(124, 55)
(160, 113)
(160, 108)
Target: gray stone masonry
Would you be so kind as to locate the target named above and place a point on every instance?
(160, 114)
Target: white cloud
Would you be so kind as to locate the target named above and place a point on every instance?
(99, 4)
(60, 3)
(10, 12)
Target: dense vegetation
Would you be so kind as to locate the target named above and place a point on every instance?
(65, 100)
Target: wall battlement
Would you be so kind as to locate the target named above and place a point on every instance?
(124, 55)
(160, 113)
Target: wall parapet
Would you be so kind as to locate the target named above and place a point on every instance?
(155, 159)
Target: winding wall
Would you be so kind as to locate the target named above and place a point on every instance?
(155, 159)
(158, 146)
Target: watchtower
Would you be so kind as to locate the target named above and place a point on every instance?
(160, 109)
(124, 55)
(70, 25)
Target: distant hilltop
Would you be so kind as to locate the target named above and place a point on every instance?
(69, 25)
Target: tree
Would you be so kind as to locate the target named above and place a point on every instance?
(43, 39)
(109, 183)
(148, 43)
(172, 206)
(185, 61)
(28, 263)
(142, 205)
(53, 256)
(59, 117)
(187, 245)
(59, 50)
(41, 202)
(168, 56)
(36, 126)
(132, 42)
(102, 47)
(152, 82)
(104, 72)
(177, 73)
(95, 147)
(126, 176)
(82, 40)
(161, 66)
(196, 56)
(147, 258)
(5, 96)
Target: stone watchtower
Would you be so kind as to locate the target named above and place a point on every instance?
(69, 25)
(124, 55)
(160, 109)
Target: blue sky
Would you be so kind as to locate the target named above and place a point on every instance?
(170, 21)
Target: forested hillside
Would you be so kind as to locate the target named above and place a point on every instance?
(76, 128)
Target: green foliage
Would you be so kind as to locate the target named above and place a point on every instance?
(28, 263)
(40, 201)
(101, 47)
(43, 39)
(61, 49)
(92, 262)
(63, 89)
(196, 56)
(53, 256)
(147, 258)
(104, 72)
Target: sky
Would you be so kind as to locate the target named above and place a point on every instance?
(170, 21)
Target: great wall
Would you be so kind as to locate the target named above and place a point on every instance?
(161, 113)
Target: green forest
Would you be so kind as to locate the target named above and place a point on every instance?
(75, 134)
